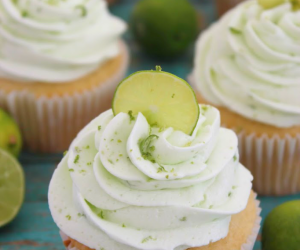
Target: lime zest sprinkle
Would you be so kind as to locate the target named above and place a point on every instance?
(101, 214)
(99, 128)
(123, 225)
(235, 31)
(158, 68)
(83, 10)
(25, 13)
(229, 194)
(161, 169)
(147, 239)
(65, 152)
(183, 219)
(76, 159)
(146, 148)
(131, 116)
(68, 217)
(71, 170)
(167, 176)
(89, 163)
(81, 215)
(119, 141)
(234, 158)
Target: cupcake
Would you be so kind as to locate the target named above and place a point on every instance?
(248, 65)
(129, 183)
(60, 62)
(225, 5)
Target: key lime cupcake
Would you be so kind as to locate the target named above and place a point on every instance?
(155, 172)
(60, 62)
(253, 76)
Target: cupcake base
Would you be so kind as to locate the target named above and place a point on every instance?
(50, 115)
(243, 230)
(270, 153)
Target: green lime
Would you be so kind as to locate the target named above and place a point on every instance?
(281, 228)
(269, 4)
(164, 28)
(10, 136)
(164, 99)
(12, 186)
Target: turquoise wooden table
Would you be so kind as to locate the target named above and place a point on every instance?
(33, 228)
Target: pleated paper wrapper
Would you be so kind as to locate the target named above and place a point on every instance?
(273, 161)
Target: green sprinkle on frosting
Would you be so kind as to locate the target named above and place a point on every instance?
(76, 159)
(131, 116)
(146, 149)
(183, 219)
(83, 10)
(235, 31)
(147, 239)
(161, 169)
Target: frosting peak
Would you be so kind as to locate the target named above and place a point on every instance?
(142, 187)
(254, 69)
(54, 40)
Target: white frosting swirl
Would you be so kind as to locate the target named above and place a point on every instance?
(249, 62)
(56, 40)
(140, 187)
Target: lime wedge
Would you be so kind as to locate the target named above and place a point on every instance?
(163, 98)
(12, 186)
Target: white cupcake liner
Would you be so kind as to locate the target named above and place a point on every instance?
(274, 162)
(246, 246)
(49, 124)
(249, 245)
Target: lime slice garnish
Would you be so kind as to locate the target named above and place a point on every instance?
(269, 4)
(12, 186)
(163, 98)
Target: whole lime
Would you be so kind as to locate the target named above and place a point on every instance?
(10, 136)
(164, 28)
(281, 228)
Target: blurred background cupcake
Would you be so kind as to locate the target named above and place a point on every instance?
(60, 62)
(248, 64)
(224, 5)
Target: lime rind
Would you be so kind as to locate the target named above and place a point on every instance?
(174, 77)
(12, 187)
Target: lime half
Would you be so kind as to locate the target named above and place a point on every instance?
(12, 186)
(163, 98)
